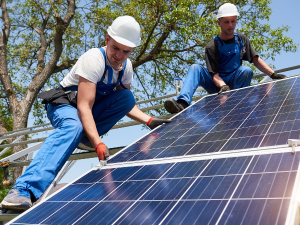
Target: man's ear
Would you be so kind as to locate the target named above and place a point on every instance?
(106, 39)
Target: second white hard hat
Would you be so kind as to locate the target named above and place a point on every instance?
(227, 9)
(125, 30)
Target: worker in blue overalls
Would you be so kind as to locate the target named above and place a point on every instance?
(101, 78)
(224, 56)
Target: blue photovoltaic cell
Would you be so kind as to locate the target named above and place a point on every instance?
(238, 190)
(258, 116)
(254, 189)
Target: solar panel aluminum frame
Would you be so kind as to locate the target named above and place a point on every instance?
(205, 156)
(293, 214)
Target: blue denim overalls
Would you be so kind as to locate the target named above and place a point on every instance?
(231, 71)
(109, 107)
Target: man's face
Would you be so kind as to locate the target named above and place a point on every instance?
(228, 24)
(116, 53)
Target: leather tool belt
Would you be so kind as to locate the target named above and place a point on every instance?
(59, 96)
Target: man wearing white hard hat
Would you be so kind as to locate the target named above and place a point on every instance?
(101, 80)
(224, 56)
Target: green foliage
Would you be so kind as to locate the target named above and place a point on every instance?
(188, 26)
(174, 34)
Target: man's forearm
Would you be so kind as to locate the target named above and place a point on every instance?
(85, 101)
(138, 115)
(89, 126)
(262, 66)
(218, 81)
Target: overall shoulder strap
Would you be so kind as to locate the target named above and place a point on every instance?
(218, 41)
(121, 73)
(103, 53)
(240, 42)
(239, 39)
(107, 68)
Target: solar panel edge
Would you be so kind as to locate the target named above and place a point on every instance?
(293, 215)
(278, 111)
(50, 196)
(205, 156)
(198, 175)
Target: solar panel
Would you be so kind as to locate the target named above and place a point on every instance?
(264, 115)
(235, 190)
(224, 160)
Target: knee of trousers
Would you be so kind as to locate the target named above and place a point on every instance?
(196, 67)
(127, 99)
(247, 71)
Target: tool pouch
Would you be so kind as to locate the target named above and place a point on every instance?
(59, 96)
(7, 181)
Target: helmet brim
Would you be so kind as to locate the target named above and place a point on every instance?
(227, 15)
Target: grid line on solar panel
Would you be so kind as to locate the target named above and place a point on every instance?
(287, 127)
(63, 195)
(251, 142)
(171, 142)
(204, 183)
(233, 192)
(182, 194)
(233, 199)
(288, 91)
(147, 187)
(247, 116)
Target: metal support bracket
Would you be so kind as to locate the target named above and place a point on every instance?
(101, 164)
(293, 143)
(178, 86)
(22, 153)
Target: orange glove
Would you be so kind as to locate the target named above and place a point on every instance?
(102, 151)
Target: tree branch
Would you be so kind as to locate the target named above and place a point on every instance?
(141, 83)
(5, 79)
(155, 50)
(156, 62)
(148, 38)
(179, 50)
(44, 44)
(40, 79)
(5, 17)
(64, 65)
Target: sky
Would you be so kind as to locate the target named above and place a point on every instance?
(284, 13)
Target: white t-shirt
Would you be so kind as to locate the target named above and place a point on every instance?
(91, 66)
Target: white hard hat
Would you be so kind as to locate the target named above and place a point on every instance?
(227, 9)
(126, 31)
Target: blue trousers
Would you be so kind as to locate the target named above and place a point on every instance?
(198, 75)
(68, 132)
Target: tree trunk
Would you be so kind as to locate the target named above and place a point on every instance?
(20, 121)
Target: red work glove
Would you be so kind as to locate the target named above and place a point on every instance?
(102, 151)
